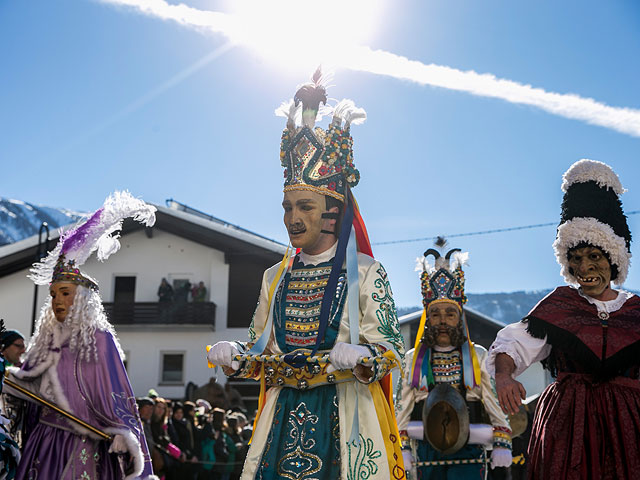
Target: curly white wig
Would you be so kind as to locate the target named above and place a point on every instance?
(85, 317)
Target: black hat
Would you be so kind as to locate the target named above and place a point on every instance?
(7, 337)
(592, 214)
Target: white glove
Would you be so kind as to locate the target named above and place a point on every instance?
(408, 460)
(118, 445)
(344, 356)
(222, 353)
(501, 457)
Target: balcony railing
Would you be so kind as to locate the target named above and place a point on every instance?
(145, 313)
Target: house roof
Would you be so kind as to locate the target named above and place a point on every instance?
(236, 242)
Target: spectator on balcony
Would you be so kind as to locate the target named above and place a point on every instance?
(199, 293)
(165, 292)
(181, 295)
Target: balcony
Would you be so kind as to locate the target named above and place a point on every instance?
(147, 313)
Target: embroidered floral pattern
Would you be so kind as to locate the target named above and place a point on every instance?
(252, 325)
(84, 456)
(362, 457)
(386, 312)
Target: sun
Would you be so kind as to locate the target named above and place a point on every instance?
(303, 33)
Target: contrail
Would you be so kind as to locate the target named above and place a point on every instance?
(380, 62)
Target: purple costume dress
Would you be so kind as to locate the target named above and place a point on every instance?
(97, 392)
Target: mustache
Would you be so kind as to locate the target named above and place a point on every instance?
(456, 335)
(297, 228)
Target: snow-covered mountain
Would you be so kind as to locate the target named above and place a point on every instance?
(19, 220)
(506, 307)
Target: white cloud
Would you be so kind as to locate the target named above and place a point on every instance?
(365, 59)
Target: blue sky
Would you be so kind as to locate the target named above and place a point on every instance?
(96, 97)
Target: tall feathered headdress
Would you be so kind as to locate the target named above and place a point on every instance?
(592, 214)
(443, 282)
(315, 159)
(75, 246)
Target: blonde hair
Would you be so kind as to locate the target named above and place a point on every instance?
(86, 315)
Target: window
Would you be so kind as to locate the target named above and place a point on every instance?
(172, 364)
(124, 290)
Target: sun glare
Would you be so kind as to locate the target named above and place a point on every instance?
(304, 33)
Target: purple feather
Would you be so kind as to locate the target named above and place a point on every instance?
(78, 236)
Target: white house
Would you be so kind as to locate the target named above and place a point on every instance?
(164, 345)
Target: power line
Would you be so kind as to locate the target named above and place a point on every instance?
(481, 232)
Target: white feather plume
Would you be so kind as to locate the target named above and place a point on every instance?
(95, 233)
(459, 259)
(346, 110)
(290, 111)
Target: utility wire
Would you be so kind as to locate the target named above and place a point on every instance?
(481, 232)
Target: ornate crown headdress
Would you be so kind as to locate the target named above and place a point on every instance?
(97, 233)
(592, 214)
(315, 159)
(443, 281)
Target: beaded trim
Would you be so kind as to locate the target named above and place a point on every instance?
(502, 437)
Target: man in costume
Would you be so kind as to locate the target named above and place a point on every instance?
(587, 335)
(321, 419)
(74, 361)
(445, 366)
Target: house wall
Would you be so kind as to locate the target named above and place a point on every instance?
(149, 260)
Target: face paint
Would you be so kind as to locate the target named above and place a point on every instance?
(305, 223)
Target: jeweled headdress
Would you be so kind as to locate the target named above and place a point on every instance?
(592, 214)
(315, 159)
(444, 281)
(97, 233)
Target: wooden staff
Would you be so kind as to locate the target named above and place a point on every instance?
(64, 413)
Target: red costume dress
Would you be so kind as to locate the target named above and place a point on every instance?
(587, 423)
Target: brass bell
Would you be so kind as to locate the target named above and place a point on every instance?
(280, 381)
(303, 384)
(331, 378)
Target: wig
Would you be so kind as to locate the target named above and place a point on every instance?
(86, 315)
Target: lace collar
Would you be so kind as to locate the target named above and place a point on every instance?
(608, 306)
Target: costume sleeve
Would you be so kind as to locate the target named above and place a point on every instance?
(405, 401)
(107, 392)
(499, 421)
(520, 345)
(379, 328)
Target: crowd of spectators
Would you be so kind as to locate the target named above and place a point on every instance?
(193, 441)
